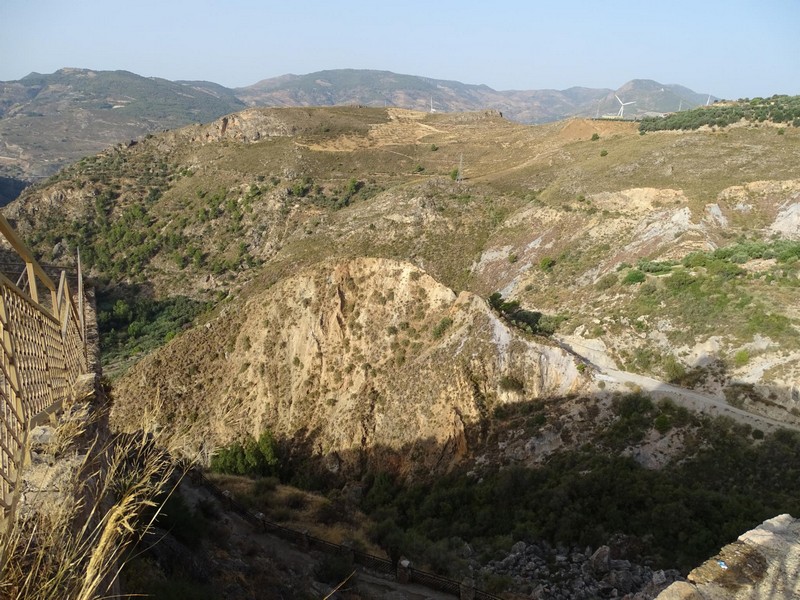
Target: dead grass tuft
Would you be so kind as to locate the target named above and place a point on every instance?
(72, 547)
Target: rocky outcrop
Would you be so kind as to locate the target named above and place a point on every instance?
(576, 574)
(763, 563)
(353, 358)
(246, 126)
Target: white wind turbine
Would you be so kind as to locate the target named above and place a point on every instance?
(622, 105)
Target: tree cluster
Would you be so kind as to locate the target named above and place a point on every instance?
(725, 484)
(777, 109)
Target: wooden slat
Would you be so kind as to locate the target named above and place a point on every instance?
(26, 255)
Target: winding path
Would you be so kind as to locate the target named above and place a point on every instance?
(691, 399)
(696, 401)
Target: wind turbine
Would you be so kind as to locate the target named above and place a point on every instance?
(709, 100)
(622, 105)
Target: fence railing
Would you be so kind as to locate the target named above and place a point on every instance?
(362, 559)
(42, 353)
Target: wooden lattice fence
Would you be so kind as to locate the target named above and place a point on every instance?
(42, 354)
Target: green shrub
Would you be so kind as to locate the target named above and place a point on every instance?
(441, 327)
(662, 423)
(741, 358)
(547, 263)
(673, 369)
(252, 457)
(634, 276)
(511, 383)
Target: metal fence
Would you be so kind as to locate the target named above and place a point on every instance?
(362, 559)
(42, 354)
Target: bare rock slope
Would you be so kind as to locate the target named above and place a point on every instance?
(354, 357)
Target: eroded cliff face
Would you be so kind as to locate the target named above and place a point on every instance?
(360, 359)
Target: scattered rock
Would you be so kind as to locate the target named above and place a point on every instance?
(680, 590)
(600, 561)
(42, 435)
(577, 574)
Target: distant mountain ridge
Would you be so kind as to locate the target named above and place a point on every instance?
(384, 88)
(50, 120)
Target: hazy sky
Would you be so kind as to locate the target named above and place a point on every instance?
(729, 48)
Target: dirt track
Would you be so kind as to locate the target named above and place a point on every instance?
(696, 401)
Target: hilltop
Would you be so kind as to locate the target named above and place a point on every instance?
(48, 121)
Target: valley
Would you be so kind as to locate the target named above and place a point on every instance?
(476, 332)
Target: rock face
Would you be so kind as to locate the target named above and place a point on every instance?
(763, 563)
(355, 358)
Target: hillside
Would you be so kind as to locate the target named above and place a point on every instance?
(616, 236)
(321, 278)
(50, 121)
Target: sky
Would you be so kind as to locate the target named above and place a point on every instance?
(728, 48)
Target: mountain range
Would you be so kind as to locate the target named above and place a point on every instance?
(50, 120)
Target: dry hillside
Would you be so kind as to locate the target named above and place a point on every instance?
(670, 254)
(353, 359)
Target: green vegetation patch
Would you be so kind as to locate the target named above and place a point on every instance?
(251, 457)
(711, 293)
(724, 484)
(777, 109)
(527, 320)
(130, 323)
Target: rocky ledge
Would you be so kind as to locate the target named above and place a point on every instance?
(763, 563)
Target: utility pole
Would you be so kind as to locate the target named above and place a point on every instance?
(460, 176)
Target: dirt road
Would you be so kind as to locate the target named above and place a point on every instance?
(691, 399)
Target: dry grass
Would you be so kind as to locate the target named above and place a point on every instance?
(300, 510)
(72, 548)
